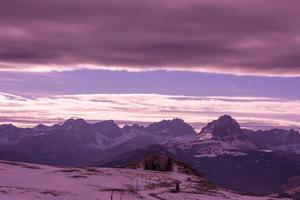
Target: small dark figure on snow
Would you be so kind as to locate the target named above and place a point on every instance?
(177, 188)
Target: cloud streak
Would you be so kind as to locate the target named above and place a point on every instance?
(252, 112)
(232, 36)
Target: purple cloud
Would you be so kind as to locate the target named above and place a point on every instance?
(231, 36)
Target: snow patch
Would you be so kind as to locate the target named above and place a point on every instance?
(21, 181)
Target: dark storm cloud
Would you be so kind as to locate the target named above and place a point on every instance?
(231, 36)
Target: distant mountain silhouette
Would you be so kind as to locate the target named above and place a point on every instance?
(224, 126)
(260, 162)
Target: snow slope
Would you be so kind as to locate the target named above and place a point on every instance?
(21, 181)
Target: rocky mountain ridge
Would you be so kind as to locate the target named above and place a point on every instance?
(220, 136)
(222, 150)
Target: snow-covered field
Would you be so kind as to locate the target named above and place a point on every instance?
(22, 181)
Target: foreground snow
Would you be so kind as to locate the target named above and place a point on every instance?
(20, 181)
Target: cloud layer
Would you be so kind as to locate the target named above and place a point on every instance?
(252, 112)
(231, 36)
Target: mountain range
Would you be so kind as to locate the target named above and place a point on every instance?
(259, 162)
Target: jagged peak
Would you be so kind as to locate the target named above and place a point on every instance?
(225, 125)
(74, 122)
(128, 128)
(112, 122)
(8, 126)
(177, 120)
(226, 118)
(40, 126)
(109, 123)
(170, 121)
(175, 126)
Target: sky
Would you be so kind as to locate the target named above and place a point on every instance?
(140, 61)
